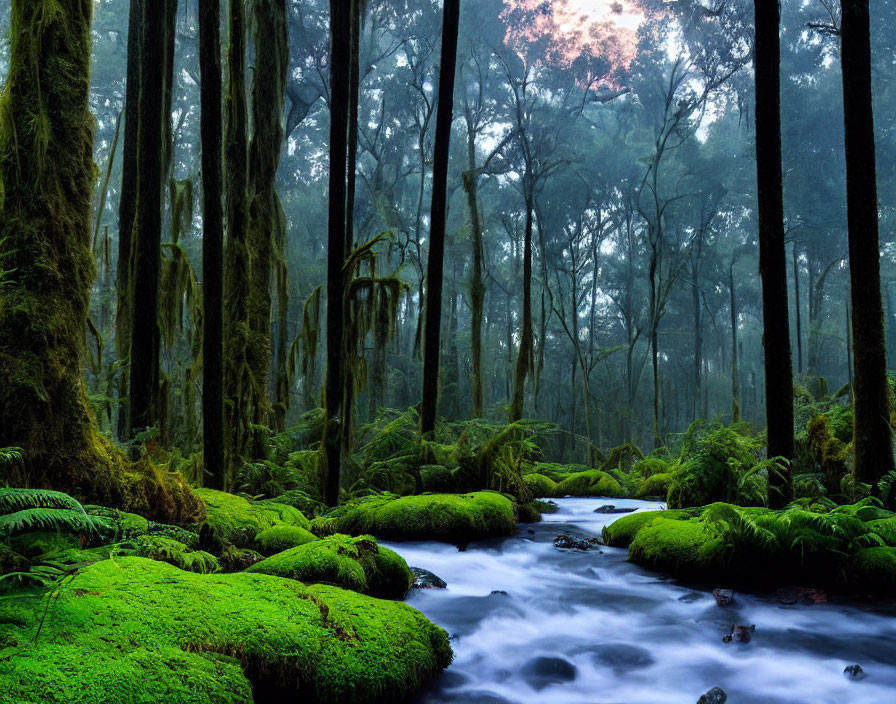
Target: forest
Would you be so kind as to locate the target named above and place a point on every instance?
(447, 351)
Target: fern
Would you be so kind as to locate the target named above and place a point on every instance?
(24, 510)
(22, 499)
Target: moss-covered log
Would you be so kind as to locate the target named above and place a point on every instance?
(46, 179)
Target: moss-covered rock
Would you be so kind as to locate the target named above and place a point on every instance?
(451, 518)
(132, 631)
(528, 512)
(875, 569)
(541, 486)
(358, 563)
(650, 466)
(175, 553)
(621, 532)
(655, 485)
(236, 521)
(279, 538)
(886, 529)
(592, 482)
(671, 546)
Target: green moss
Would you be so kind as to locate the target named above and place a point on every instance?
(886, 529)
(558, 472)
(177, 554)
(528, 512)
(452, 518)
(875, 569)
(11, 561)
(671, 546)
(132, 631)
(234, 520)
(649, 467)
(436, 478)
(592, 482)
(541, 486)
(655, 485)
(359, 564)
(280, 538)
(621, 532)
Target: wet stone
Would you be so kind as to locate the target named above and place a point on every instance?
(610, 508)
(572, 542)
(714, 696)
(424, 579)
(854, 672)
(622, 657)
(742, 634)
(723, 597)
(543, 671)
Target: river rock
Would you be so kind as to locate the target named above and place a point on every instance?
(724, 597)
(610, 508)
(424, 579)
(622, 657)
(742, 634)
(571, 542)
(543, 671)
(714, 696)
(854, 672)
(800, 595)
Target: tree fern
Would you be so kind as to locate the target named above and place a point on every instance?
(24, 510)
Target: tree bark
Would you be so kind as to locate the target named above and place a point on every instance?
(735, 370)
(477, 285)
(872, 433)
(438, 213)
(524, 361)
(772, 254)
(211, 127)
(798, 311)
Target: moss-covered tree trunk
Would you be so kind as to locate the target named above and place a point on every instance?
(46, 179)
(477, 285)
(872, 433)
(212, 245)
(236, 272)
(772, 254)
(127, 205)
(340, 59)
(438, 213)
(525, 357)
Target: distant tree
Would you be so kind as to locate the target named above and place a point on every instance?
(872, 433)
(438, 212)
(772, 253)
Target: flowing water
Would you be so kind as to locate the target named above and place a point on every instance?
(531, 623)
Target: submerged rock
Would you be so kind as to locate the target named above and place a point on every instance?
(572, 542)
(610, 508)
(742, 634)
(622, 657)
(854, 672)
(543, 671)
(723, 597)
(424, 579)
(714, 696)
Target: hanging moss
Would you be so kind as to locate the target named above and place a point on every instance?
(46, 180)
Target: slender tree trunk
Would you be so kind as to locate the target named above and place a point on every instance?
(236, 272)
(524, 360)
(798, 311)
(353, 104)
(340, 60)
(849, 347)
(438, 213)
(211, 127)
(698, 348)
(735, 370)
(146, 260)
(872, 434)
(477, 285)
(772, 254)
(126, 207)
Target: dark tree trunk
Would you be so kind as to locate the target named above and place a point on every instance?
(354, 96)
(524, 360)
(127, 205)
(872, 434)
(698, 347)
(340, 60)
(772, 254)
(211, 128)
(146, 260)
(438, 213)
(798, 311)
(477, 285)
(735, 371)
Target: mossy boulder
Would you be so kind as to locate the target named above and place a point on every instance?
(655, 485)
(279, 538)
(175, 553)
(621, 532)
(234, 520)
(558, 472)
(672, 546)
(592, 482)
(650, 466)
(886, 529)
(875, 569)
(450, 518)
(358, 563)
(541, 486)
(132, 631)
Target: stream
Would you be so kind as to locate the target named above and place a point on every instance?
(531, 623)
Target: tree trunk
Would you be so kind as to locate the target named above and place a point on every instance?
(798, 311)
(340, 60)
(353, 104)
(438, 213)
(735, 371)
(698, 347)
(212, 245)
(772, 254)
(48, 177)
(477, 285)
(146, 259)
(126, 207)
(524, 361)
(872, 434)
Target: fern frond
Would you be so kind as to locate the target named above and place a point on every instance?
(22, 499)
(48, 519)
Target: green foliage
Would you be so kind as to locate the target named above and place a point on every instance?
(280, 538)
(32, 510)
(623, 457)
(875, 569)
(592, 482)
(621, 532)
(358, 563)
(175, 553)
(541, 486)
(436, 478)
(235, 520)
(451, 518)
(656, 485)
(208, 639)
(650, 466)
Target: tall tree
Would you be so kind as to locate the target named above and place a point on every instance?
(46, 181)
(340, 60)
(147, 235)
(212, 245)
(437, 215)
(872, 434)
(772, 253)
(127, 201)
